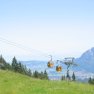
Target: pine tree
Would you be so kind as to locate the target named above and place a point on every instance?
(41, 75)
(19, 68)
(73, 76)
(45, 75)
(90, 80)
(2, 63)
(14, 64)
(29, 73)
(63, 77)
(68, 76)
(35, 74)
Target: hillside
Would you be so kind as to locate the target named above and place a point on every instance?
(14, 83)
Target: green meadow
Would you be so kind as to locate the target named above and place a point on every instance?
(15, 83)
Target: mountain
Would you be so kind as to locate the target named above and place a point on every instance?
(36, 65)
(86, 61)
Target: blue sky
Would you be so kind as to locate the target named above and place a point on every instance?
(58, 27)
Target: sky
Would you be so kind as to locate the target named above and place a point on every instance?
(61, 28)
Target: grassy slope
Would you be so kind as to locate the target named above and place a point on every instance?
(14, 83)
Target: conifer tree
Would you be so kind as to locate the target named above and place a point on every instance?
(68, 75)
(2, 63)
(90, 80)
(73, 76)
(35, 74)
(29, 73)
(45, 74)
(63, 77)
(14, 64)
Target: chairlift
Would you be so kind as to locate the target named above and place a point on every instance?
(69, 61)
(58, 67)
(50, 63)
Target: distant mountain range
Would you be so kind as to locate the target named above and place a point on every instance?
(86, 61)
(84, 70)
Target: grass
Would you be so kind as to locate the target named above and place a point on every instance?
(14, 83)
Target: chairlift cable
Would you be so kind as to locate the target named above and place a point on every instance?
(21, 46)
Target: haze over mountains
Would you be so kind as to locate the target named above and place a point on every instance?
(85, 68)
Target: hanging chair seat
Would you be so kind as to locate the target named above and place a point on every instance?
(58, 68)
(50, 64)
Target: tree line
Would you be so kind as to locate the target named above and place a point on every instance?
(18, 67)
(68, 77)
